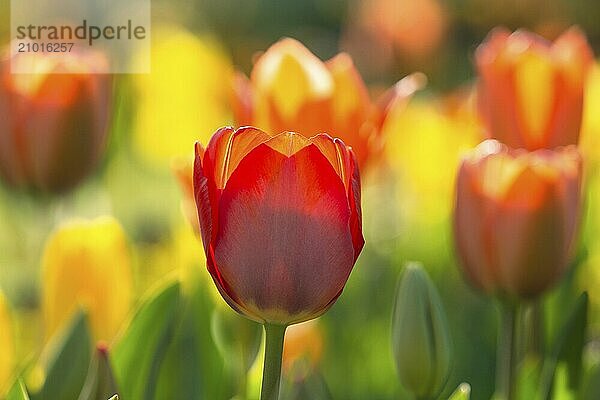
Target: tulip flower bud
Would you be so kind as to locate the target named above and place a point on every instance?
(290, 89)
(420, 338)
(515, 217)
(54, 123)
(100, 382)
(531, 91)
(280, 220)
(86, 264)
(7, 355)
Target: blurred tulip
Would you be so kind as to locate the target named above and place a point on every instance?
(415, 27)
(184, 172)
(531, 91)
(303, 345)
(54, 123)
(590, 130)
(290, 89)
(280, 219)
(420, 338)
(7, 346)
(185, 94)
(87, 264)
(515, 217)
(424, 164)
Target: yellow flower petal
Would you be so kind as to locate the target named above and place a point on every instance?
(87, 264)
(183, 98)
(7, 346)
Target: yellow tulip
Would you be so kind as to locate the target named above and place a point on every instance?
(424, 144)
(184, 97)
(87, 264)
(7, 346)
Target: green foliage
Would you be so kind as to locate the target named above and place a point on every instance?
(567, 349)
(139, 354)
(66, 361)
(193, 368)
(18, 391)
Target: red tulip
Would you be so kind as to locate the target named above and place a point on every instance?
(516, 215)
(531, 91)
(53, 124)
(280, 220)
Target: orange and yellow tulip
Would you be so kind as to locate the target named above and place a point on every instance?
(290, 89)
(531, 91)
(515, 217)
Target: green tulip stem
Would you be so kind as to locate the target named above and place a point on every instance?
(274, 335)
(506, 356)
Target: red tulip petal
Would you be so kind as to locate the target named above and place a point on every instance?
(288, 143)
(354, 192)
(337, 153)
(284, 245)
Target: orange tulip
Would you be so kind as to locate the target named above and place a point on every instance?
(280, 219)
(531, 91)
(303, 345)
(290, 89)
(515, 216)
(54, 123)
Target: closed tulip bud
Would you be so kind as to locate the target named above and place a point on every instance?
(515, 217)
(280, 220)
(54, 123)
(86, 264)
(531, 91)
(100, 382)
(290, 89)
(7, 355)
(420, 338)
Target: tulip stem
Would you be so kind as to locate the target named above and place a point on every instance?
(506, 357)
(274, 335)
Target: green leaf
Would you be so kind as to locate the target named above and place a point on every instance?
(193, 368)
(591, 385)
(66, 361)
(462, 392)
(567, 348)
(528, 377)
(18, 391)
(139, 355)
